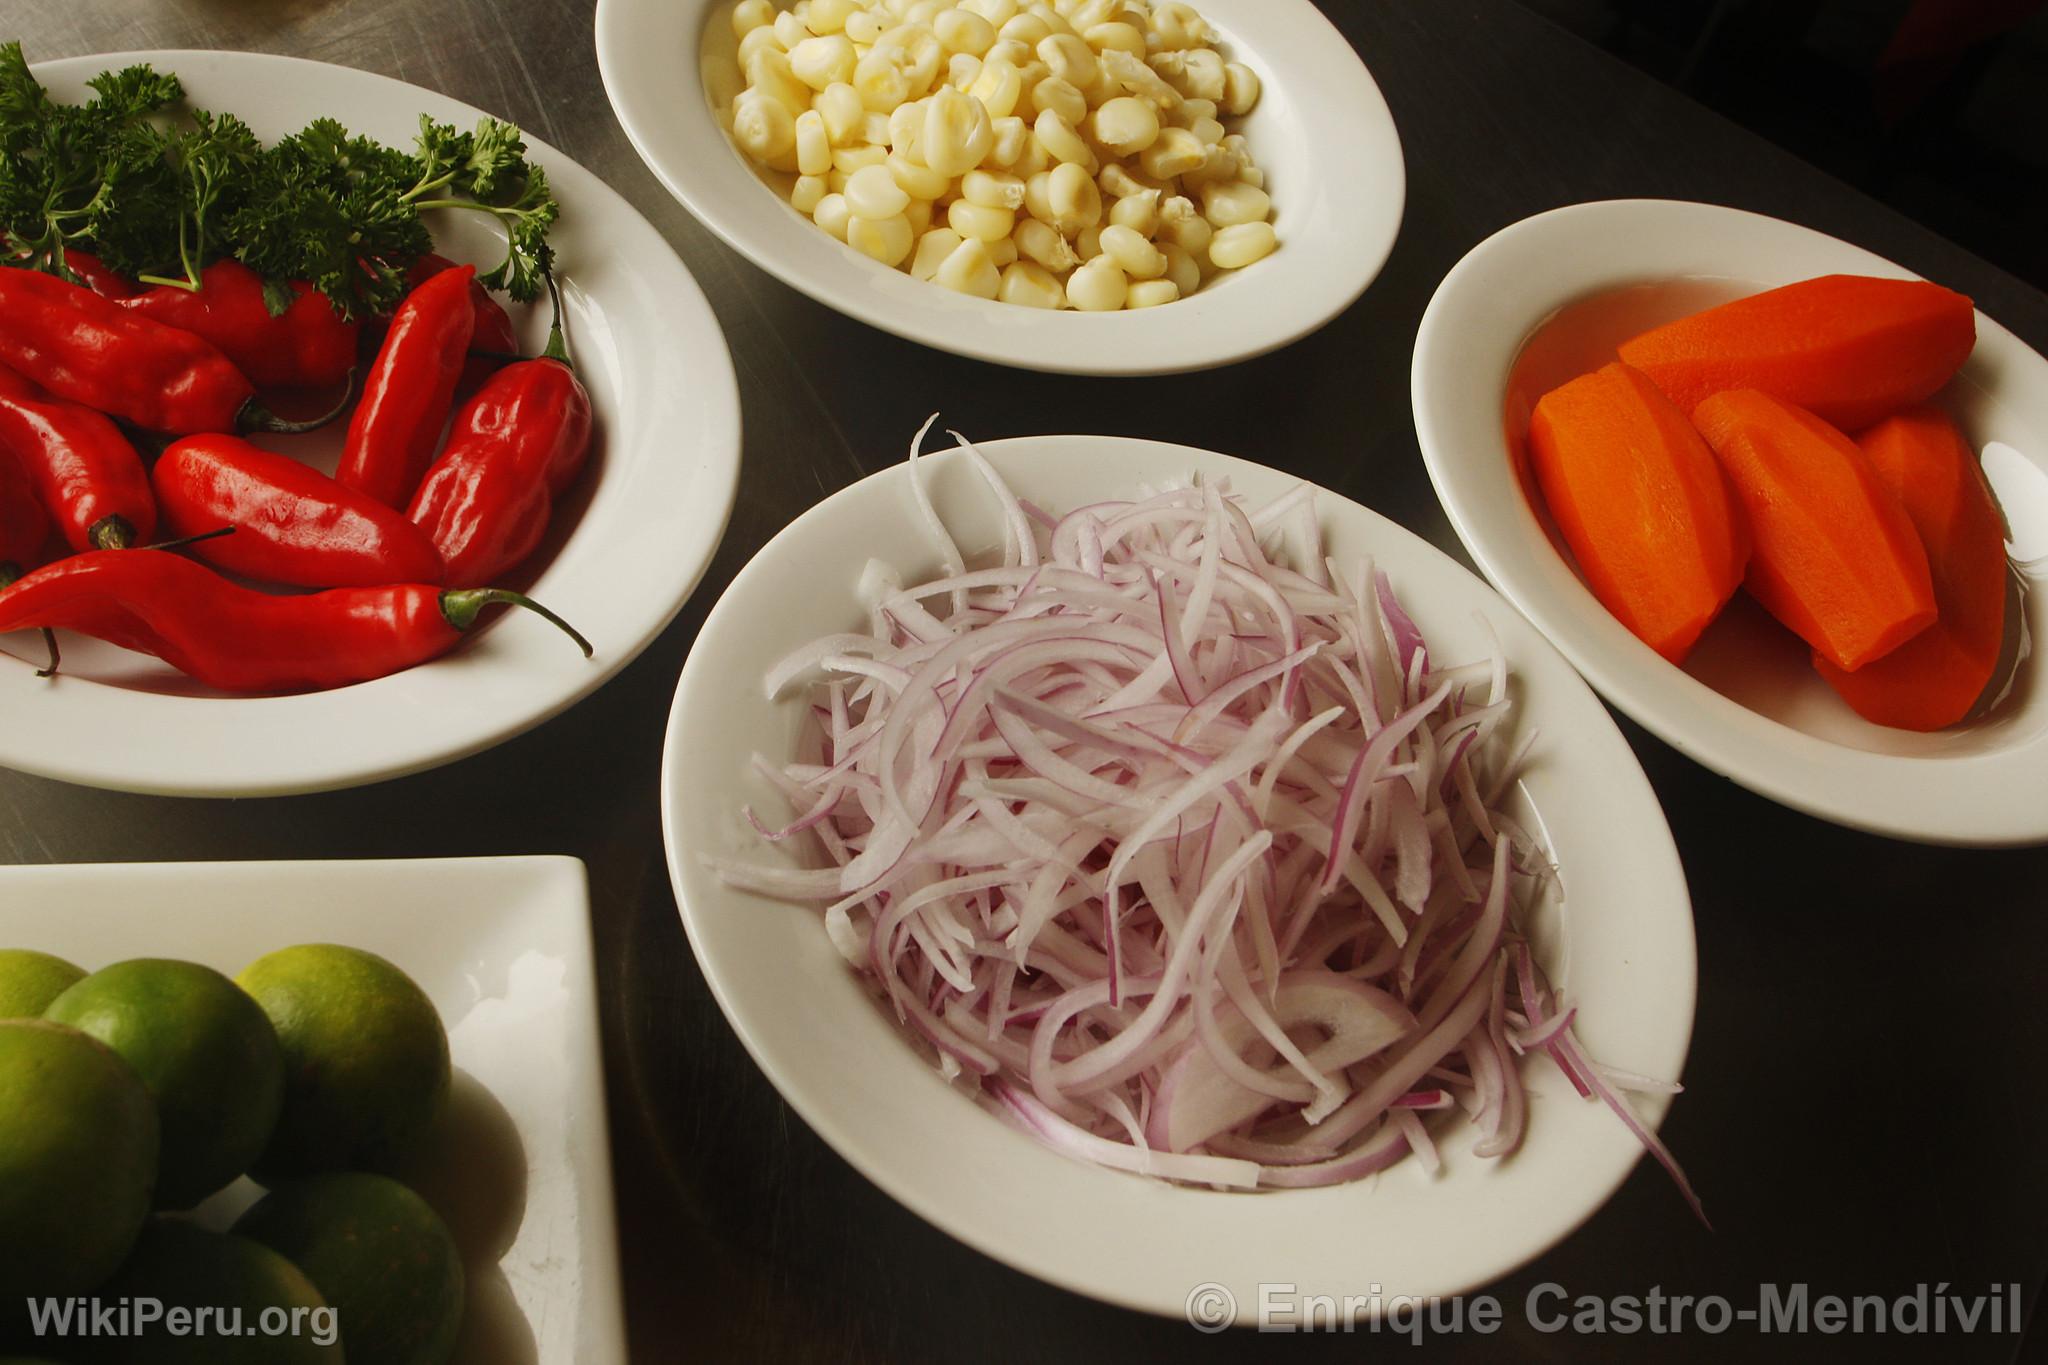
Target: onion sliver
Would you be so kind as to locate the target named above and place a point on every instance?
(1187, 858)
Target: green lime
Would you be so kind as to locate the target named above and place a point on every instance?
(366, 1059)
(376, 1252)
(226, 1301)
(29, 981)
(207, 1053)
(78, 1147)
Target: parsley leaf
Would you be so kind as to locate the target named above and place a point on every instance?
(158, 192)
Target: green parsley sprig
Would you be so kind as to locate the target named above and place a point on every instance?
(158, 192)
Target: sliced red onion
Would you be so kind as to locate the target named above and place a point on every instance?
(1191, 860)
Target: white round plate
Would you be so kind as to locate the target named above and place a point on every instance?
(1549, 299)
(628, 545)
(1321, 132)
(1623, 950)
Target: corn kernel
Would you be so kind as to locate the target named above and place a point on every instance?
(749, 15)
(819, 62)
(962, 30)
(833, 215)
(917, 180)
(872, 192)
(887, 240)
(1240, 89)
(957, 133)
(839, 105)
(813, 144)
(1061, 142)
(1098, 287)
(968, 270)
(1151, 293)
(972, 220)
(1073, 199)
(805, 194)
(932, 249)
(1031, 285)
(1126, 125)
(763, 127)
(1232, 203)
(1133, 254)
(1233, 248)
(1039, 241)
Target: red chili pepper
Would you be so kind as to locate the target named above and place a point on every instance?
(514, 448)
(24, 530)
(293, 524)
(392, 436)
(493, 325)
(307, 346)
(241, 640)
(108, 284)
(24, 526)
(93, 351)
(88, 476)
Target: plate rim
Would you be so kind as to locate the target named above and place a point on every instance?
(836, 1128)
(715, 406)
(1792, 767)
(981, 329)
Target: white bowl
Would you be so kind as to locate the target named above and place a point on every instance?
(628, 544)
(1624, 951)
(1550, 298)
(1321, 131)
(521, 1168)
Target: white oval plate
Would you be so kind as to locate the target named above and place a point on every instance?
(1550, 298)
(629, 544)
(1625, 953)
(1321, 131)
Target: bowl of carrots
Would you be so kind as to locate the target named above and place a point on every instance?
(1769, 492)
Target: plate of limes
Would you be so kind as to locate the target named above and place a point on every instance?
(307, 1110)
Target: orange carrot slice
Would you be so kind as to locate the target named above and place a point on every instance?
(1933, 680)
(1850, 349)
(1641, 502)
(1836, 557)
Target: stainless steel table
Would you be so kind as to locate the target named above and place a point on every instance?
(1865, 1099)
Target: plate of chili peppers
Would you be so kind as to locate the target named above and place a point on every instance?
(259, 511)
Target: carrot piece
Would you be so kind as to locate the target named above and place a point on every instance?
(1642, 504)
(1933, 680)
(1850, 349)
(1836, 557)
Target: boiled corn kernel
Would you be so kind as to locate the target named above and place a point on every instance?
(872, 192)
(1031, 285)
(1234, 248)
(1054, 153)
(1151, 293)
(972, 220)
(932, 249)
(888, 240)
(1234, 203)
(969, 270)
(1098, 287)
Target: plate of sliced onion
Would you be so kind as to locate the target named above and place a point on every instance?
(1093, 833)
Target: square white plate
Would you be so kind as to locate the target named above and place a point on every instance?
(522, 1170)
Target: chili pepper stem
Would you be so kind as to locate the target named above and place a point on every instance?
(9, 572)
(461, 606)
(111, 533)
(558, 345)
(255, 417)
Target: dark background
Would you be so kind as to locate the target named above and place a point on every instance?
(1865, 1101)
(1937, 107)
